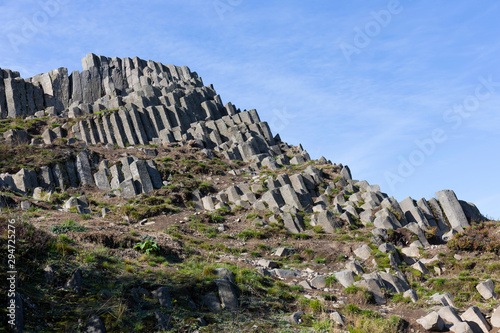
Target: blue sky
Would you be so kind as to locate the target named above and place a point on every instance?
(406, 93)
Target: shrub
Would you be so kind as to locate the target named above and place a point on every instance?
(478, 238)
(148, 247)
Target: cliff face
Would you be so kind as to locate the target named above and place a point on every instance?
(101, 76)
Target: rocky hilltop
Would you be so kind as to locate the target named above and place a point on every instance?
(144, 203)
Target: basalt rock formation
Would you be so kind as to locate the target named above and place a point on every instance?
(141, 106)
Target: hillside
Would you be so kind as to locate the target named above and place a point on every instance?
(142, 203)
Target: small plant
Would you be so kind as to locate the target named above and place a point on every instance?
(69, 225)
(148, 247)
(318, 229)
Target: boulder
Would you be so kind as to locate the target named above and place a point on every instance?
(328, 221)
(432, 322)
(225, 273)
(476, 320)
(211, 301)
(355, 267)
(75, 282)
(420, 267)
(372, 286)
(163, 321)
(449, 314)
(487, 289)
(163, 296)
(411, 294)
(337, 318)
(95, 325)
(462, 327)
(292, 223)
(284, 273)
(471, 212)
(495, 318)
(345, 278)
(267, 263)
(319, 282)
(282, 252)
(227, 294)
(363, 252)
(16, 137)
(48, 136)
(295, 318)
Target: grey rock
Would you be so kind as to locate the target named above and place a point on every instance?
(163, 296)
(292, 223)
(471, 212)
(267, 263)
(355, 267)
(225, 273)
(420, 267)
(282, 252)
(48, 136)
(452, 209)
(394, 283)
(495, 318)
(304, 284)
(211, 301)
(449, 314)
(417, 230)
(445, 299)
(163, 321)
(389, 248)
(432, 322)
(476, 320)
(16, 137)
(141, 178)
(227, 294)
(462, 327)
(208, 203)
(290, 197)
(61, 178)
(411, 294)
(45, 178)
(273, 199)
(372, 286)
(83, 169)
(95, 325)
(487, 289)
(154, 174)
(337, 318)
(363, 252)
(413, 213)
(25, 205)
(284, 273)
(328, 221)
(75, 282)
(319, 282)
(49, 273)
(438, 215)
(295, 318)
(345, 278)
(127, 189)
(263, 271)
(386, 220)
(101, 180)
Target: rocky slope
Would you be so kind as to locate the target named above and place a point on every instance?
(143, 203)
